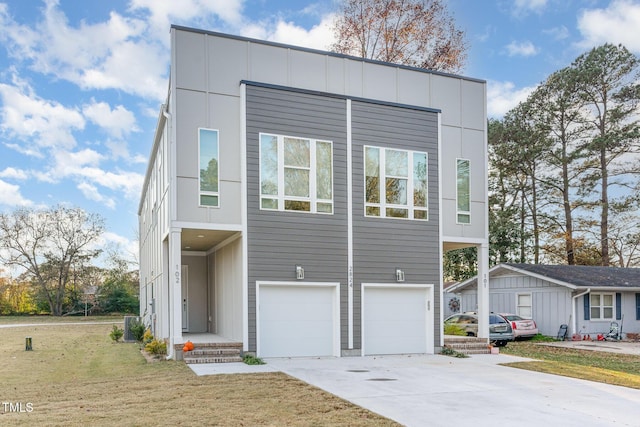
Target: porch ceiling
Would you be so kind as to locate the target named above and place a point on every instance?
(203, 240)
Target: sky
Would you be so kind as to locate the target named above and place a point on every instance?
(81, 81)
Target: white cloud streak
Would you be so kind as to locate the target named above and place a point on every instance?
(503, 96)
(525, 48)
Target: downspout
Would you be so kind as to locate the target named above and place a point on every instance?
(171, 350)
(573, 310)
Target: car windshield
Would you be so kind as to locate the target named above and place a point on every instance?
(493, 319)
(512, 317)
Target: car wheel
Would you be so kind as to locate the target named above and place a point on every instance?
(471, 334)
(500, 343)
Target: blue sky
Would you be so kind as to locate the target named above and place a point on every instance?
(81, 82)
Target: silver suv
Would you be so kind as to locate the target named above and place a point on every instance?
(500, 332)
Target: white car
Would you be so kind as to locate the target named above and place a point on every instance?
(522, 328)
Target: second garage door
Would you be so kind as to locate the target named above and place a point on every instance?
(396, 319)
(297, 321)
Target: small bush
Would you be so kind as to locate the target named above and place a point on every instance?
(147, 337)
(250, 359)
(116, 333)
(453, 329)
(156, 347)
(137, 329)
(448, 351)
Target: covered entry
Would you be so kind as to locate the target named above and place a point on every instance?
(397, 319)
(297, 320)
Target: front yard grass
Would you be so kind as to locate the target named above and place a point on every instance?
(609, 368)
(76, 375)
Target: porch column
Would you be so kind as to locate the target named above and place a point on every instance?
(483, 290)
(175, 290)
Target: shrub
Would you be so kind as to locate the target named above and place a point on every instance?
(137, 329)
(453, 329)
(448, 351)
(116, 333)
(147, 337)
(250, 359)
(156, 346)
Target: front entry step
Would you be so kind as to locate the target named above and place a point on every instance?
(223, 352)
(467, 345)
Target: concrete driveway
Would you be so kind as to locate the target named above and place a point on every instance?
(445, 391)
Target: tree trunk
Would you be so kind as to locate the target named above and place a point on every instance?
(604, 204)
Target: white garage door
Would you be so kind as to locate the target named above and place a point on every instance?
(395, 320)
(297, 321)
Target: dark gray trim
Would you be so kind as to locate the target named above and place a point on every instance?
(338, 96)
(322, 52)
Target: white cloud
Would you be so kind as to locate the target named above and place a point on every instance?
(524, 7)
(116, 122)
(558, 33)
(318, 37)
(525, 48)
(111, 54)
(164, 13)
(91, 192)
(618, 23)
(10, 195)
(503, 96)
(13, 173)
(44, 123)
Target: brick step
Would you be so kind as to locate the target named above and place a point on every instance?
(211, 351)
(212, 359)
(467, 345)
(218, 352)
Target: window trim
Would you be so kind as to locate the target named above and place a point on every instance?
(518, 305)
(382, 204)
(459, 212)
(280, 197)
(601, 306)
(204, 192)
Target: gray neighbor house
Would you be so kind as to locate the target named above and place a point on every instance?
(298, 202)
(586, 298)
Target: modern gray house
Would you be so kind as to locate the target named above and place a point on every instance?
(586, 298)
(299, 202)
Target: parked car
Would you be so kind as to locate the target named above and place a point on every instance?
(500, 331)
(522, 328)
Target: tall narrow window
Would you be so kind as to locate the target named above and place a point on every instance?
(209, 178)
(523, 305)
(296, 174)
(396, 184)
(462, 193)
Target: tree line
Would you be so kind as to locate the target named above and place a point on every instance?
(50, 251)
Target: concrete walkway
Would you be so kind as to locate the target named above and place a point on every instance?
(435, 390)
(620, 347)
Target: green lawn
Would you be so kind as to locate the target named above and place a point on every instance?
(76, 375)
(610, 368)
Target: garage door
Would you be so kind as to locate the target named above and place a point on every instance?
(395, 320)
(297, 321)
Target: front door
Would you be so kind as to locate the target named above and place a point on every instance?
(185, 298)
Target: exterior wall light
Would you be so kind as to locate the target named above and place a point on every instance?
(299, 272)
(399, 275)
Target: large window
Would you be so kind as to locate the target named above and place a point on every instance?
(601, 306)
(296, 174)
(208, 154)
(396, 184)
(462, 191)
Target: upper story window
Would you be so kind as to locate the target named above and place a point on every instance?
(296, 174)
(463, 198)
(209, 178)
(396, 184)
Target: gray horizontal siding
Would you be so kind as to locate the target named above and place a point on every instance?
(382, 244)
(278, 241)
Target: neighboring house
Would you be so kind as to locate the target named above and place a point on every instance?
(299, 202)
(586, 298)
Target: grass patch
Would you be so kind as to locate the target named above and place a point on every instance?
(609, 368)
(76, 375)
